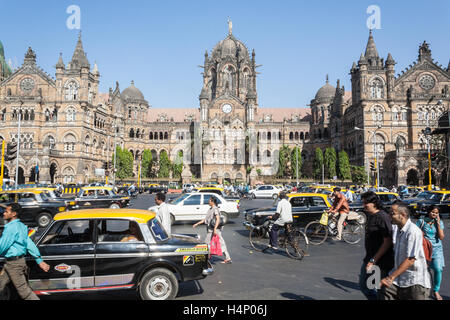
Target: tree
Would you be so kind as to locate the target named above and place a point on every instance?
(177, 166)
(164, 165)
(318, 163)
(344, 170)
(283, 162)
(359, 175)
(330, 162)
(124, 163)
(296, 154)
(147, 162)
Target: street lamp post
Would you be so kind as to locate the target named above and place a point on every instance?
(297, 165)
(375, 142)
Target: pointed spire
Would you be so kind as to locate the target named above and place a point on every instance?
(371, 50)
(95, 70)
(390, 60)
(230, 26)
(328, 80)
(448, 68)
(79, 59)
(353, 67)
(30, 57)
(60, 63)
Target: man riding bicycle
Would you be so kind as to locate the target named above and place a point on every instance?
(340, 207)
(282, 217)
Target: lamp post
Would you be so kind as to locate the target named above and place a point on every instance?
(296, 162)
(377, 166)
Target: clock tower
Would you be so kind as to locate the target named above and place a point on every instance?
(228, 101)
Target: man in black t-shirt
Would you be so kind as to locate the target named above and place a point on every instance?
(378, 242)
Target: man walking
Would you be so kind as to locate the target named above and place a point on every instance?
(378, 242)
(14, 245)
(410, 279)
(163, 214)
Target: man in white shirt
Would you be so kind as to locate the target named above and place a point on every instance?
(283, 217)
(410, 279)
(163, 214)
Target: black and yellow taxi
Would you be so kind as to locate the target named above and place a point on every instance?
(100, 197)
(421, 204)
(306, 207)
(37, 208)
(103, 249)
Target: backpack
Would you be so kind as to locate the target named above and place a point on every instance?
(427, 246)
(212, 224)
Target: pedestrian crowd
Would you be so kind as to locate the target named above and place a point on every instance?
(408, 257)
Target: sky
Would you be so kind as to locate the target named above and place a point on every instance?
(160, 44)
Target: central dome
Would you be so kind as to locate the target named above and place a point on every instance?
(229, 47)
(326, 93)
(132, 93)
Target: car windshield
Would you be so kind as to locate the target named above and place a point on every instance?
(157, 230)
(179, 199)
(429, 196)
(43, 197)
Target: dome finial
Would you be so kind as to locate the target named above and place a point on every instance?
(230, 26)
(328, 80)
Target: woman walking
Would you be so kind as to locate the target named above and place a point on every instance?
(214, 230)
(433, 228)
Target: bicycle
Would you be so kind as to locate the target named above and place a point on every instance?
(352, 233)
(292, 240)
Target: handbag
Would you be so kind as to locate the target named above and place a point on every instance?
(324, 220)
(427, 246)
(215, 247)
(212, 223)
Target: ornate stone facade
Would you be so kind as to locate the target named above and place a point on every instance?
(391, 113)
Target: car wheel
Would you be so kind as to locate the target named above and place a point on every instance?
(9, 293)
(225, 217)
(44, 220)
(114, 206)
(158, 284)
(253, 196)
(275, 197)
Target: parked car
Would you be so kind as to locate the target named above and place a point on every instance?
(424, 201)
(36, 209)
(218, 191)
(306, 208)
(156, 188)
(195, 206)
(387, 199)
(100, 197)
(265, 191)
(92, 243)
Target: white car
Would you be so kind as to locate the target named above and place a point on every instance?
(265, 192)
(195, 206)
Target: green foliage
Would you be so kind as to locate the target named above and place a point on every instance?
(359, 175)
(283, 161)
(330, 162)
(344, 170)
(177, 166)
(296, 154)
(124, 163)
(318, 163)
(147, 162)
(164, 165)
(259, 172)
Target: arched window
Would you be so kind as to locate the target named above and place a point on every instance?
(302, 136)
(166, 136)
(151, 136)
(71, 91)
(69, 143)
(68, 175)
(377, 89)
(296, 136)
(71, 114)
(131, 133)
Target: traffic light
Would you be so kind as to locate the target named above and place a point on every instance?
(110, 165)
(11, 152)
(105, 165)
(434, 157)
(372, 166)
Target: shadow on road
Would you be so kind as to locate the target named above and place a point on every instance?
(342, 284)
(189, 288)
(292, 296)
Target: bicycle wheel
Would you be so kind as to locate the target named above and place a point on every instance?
(304, 243)
(259, 238)
(293, 248)
(353, 233)
(316, 233)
